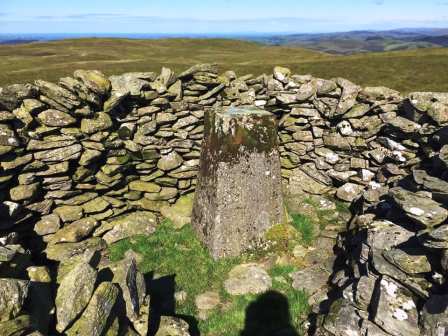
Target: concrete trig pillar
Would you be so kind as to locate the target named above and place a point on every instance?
(238, 195)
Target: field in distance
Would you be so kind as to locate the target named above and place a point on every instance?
(410, 70)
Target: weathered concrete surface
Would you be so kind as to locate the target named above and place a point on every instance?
(239, 185)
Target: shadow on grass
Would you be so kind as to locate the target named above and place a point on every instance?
(268, 315)
(163, 303)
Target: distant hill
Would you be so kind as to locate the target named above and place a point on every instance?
(407, 70)
(17, 41)
(439, 40)
(364, 41)
(343, 43)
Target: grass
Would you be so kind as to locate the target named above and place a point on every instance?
(305, 226)
(409, 70)
(178, 252)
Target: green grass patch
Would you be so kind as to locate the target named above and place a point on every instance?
(305, 226)
(168, 252)
(178, 252)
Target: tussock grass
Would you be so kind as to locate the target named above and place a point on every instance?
(305, 226)
(410, 70)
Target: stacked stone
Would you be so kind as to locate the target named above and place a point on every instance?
(395, 275)
(77, 156)
(92, 160)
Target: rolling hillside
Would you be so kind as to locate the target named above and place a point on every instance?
(410, 70)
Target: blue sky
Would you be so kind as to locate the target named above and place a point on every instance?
(217, 16)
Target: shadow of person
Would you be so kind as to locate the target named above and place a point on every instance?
(268, 315)
(163, 303)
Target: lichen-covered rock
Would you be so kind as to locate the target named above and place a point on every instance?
(423, 210)
(180, 212)
(93, 320)
(94, 81)
(170, 161)
(74, 293)
(74, 232)
(61, 252)
(349, 191)
(100, 122)
(18, 326)
(58, 94)
(24, 192)
(172, 326)
(69, 213)
(139, 222)
(300, 182)
(436, 238)
(247, 279)
(411, 263)
(12, 96)
(396, 312)
(282, 74)
(132, 83)
(72, 152)
(55, 118)
(143, 186)
(434, 103)
(133, 287)
(13, 293)
(48, 224)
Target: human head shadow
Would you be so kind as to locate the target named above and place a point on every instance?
(268, 315)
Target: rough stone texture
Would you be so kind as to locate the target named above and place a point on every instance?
(12, 297)
(72, 297)
(93, 320)
(172, 326)
(140, 222)
(247, 279)
(239, 192)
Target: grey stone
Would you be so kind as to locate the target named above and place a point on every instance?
(47, 224)
(132, 83)
(55, 118)
(74, 293)
(397, 311)
(139, 222)
(410, 263)
(247, 279)
(94, 80)
(172, 326)
(170, 161)
(100, 122)
(349, 191)
(13, 293)
(311, 279)
(72, 152)
(12, 96)
(422, 209)
(93, 320)
(57, 93)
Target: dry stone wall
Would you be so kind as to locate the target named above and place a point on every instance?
(91, 160)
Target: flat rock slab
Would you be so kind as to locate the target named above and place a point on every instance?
(247, 279)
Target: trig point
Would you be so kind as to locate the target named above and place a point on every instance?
(238, 196)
